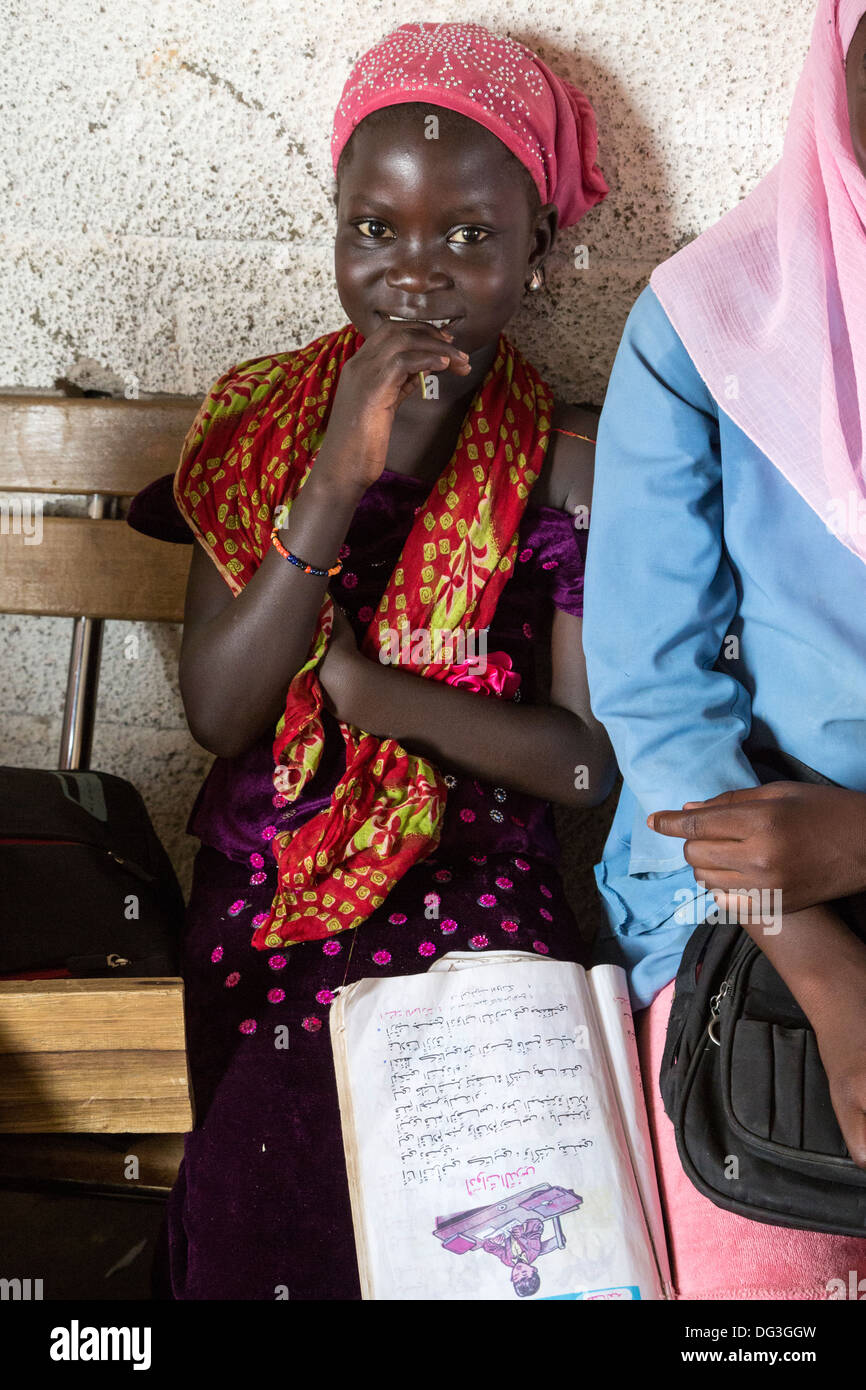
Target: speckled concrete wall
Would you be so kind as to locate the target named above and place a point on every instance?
(166, 210)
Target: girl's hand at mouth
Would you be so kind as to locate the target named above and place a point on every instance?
(373, 384)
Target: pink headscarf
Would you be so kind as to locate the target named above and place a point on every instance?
(771, 301)
(546, 122)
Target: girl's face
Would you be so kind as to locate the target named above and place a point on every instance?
(855, 77)
(437, 228)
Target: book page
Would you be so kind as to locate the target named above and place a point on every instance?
(610, 994)
(485, 1149)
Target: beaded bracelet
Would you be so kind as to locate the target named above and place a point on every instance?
(302, 564)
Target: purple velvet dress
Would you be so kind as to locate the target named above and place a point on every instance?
(260, 1208)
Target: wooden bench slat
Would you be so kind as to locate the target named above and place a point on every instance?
(94, 569)
(83, 445)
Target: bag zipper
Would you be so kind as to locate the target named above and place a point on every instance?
(715, 1011)
(128, 864)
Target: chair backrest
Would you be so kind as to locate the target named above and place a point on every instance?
(94, 567)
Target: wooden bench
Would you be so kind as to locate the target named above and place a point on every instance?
(88, 569)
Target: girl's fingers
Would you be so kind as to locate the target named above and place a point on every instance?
(714, 854)
(422, 337)
(409, 363)
(765, 792)
(736, 906)
(702, 823)
(723, 798)
(724, 880)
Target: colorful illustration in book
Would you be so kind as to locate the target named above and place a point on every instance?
(513, 1231)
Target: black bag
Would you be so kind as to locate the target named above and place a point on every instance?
(86, 887)
(741, 1079)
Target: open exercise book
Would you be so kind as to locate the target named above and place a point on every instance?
(495, 1132)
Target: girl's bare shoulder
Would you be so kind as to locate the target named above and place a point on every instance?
(565, 481)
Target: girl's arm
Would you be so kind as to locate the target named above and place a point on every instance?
(239, 655)
(557, 751)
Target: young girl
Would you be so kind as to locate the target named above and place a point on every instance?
(344, 519)
(732, 474)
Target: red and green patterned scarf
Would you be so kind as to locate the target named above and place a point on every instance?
(248, 451)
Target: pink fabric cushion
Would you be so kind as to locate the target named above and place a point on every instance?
(715, 1254)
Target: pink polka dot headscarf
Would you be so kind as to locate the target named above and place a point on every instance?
(544, 121)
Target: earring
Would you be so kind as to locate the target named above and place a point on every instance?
(536, 280)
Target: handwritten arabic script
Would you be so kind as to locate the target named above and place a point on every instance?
(506, 1101)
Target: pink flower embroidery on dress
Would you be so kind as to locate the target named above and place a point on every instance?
(479, 942)
(478, 858)
(237, 906)
(259, 918)
(344, 551)
(487, 900)
(541, 947)
(426, 948)
(311, 1024)
(432, 900)
(527, 631)
(467, 815)
(443, 875)
(525, 555)
(381, 957)
(548, 916)
(256, 860)
(325, 996)
(397, 919)
(365, 614)
(522, 865)
(232, 979)
(508, 924)
(216, 954)
(276, 996)
(277, 962)
(258, 877)
(544, 890)
(332, 948)
(448, 926)
(269, 832)
(350, 580)
(278, 800)
(248, 1026)
(503, 882)
(550, 565)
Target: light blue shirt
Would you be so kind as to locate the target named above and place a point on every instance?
(717, 604)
